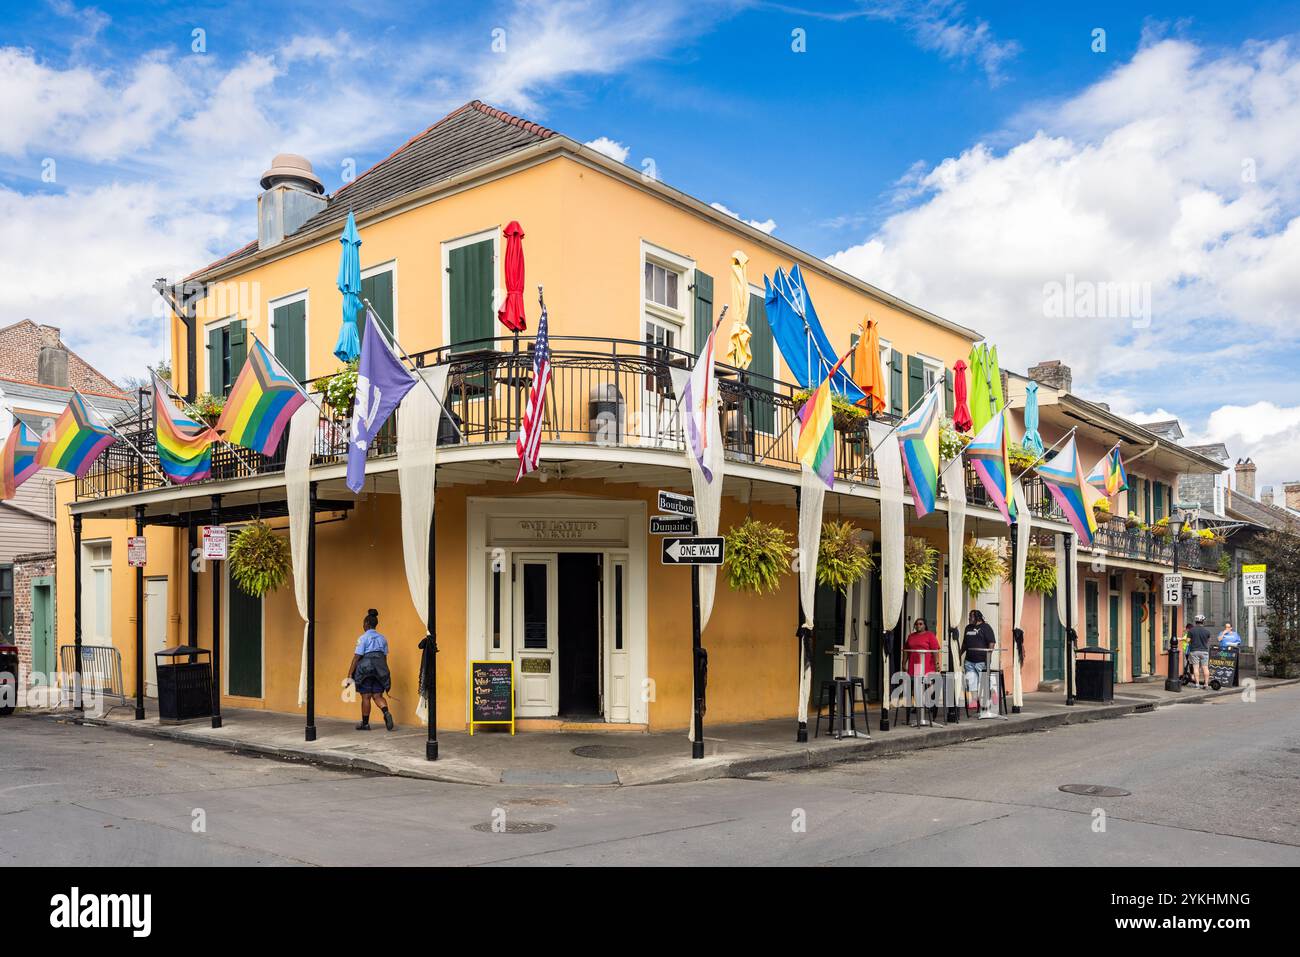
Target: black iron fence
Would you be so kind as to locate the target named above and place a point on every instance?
(1142, 544)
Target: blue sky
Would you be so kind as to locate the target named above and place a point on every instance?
(964, 156)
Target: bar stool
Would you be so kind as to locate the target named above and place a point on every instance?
(984, 698)
(929, 676)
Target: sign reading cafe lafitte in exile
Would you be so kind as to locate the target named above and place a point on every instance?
(524, 530)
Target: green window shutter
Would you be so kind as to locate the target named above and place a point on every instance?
(895, 382)
(238, 349)
(289, 323)
(949, 401)
(703, 308)
(469, 285)
(215, 384)
(915, 381)
(1158, 494)
(378, 290)
(762, 369)
(243, 643)
(853, 354)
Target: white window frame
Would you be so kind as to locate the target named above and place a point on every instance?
(208, 328)
(498, 293)
(684, 266)
(931, 364)
(371, 271)
(274, 304)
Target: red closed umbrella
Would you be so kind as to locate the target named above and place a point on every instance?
(961, 408)
(511, 313)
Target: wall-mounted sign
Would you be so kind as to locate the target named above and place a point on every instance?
(492, 690)
(1253, 590)
(215, 543)
(527, 530)
(136, 551)
(1173, 589)
(671, 525)
(693, 551)
(676, 503)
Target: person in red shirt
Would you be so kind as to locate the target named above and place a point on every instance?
(921, 639)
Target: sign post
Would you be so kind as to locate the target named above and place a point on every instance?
(1173, 590)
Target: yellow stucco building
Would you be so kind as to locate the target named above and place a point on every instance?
(557, 572)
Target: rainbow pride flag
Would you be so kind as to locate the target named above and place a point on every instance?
(987, 455)
(261, 403)
(19, 459)
(184, 445)
(1065, 480)
(1108, 476)
(816, 448)
(76, 440)
(918, 440)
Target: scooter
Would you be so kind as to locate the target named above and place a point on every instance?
(1187, 678)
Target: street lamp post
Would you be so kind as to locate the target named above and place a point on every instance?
(1171, 679)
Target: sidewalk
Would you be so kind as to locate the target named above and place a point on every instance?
(595, 759)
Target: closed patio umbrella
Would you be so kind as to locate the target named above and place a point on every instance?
(979, 388)
(348, 346)
(1033, 442)
(960, 400)
(511, 313)
(738, 352)
(866, 368)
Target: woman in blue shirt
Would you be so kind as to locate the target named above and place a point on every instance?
(369, 671)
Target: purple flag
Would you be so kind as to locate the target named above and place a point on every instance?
(382, 380)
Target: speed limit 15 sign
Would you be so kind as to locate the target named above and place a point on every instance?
(1173, 589)
(1253, 590)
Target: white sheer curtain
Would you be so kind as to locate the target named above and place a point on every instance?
(297, 477)
(954, 483)
(417, 456)
(889, 471)
(812, 496)
(1024, 527)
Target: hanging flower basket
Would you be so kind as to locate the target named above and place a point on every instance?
(1019, 458)
(981, 567)
(757, 555)
(845, 416)
(842, 559)
(260, 560)
(1040, 571)
(208, 407)
(339, 389)
(920, 563)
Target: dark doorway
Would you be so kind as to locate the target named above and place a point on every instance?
(579, 634)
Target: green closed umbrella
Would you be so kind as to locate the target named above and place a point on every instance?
(979, 388)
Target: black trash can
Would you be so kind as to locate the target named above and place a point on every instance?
(184, 686)
(8, 678)
(1094, 669)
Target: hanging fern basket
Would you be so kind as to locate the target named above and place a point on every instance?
(981, 568)
(757, 555)
(1040, 571)
(260, 560)
(842, 559)
(920, 563)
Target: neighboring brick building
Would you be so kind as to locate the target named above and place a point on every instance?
(38, 356)
(34, 598)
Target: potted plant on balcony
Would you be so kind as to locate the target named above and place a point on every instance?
(1040, 571)
(920, 563)
(842, 559)
(951, 442)
(757, 555)
(1161, 528)
(339, 389)
(845, 416)
(981, 567)
(259, 559)
(1101, 511)
(1020, 458)
(1132, 522)
(1207, 538)
(208, 407)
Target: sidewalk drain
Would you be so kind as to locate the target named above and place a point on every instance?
(514, 827)
(602, 751)
(1094, 790)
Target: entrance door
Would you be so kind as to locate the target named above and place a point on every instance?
(155, 630)
(1138, 609)
(43, 626)
(579, 647)
(243, 658)
(1053, 642)
(536, 628)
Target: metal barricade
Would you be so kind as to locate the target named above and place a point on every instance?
(101, 670)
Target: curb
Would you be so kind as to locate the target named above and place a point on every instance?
(865, 749)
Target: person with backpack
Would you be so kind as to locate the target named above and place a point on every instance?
(369, 671)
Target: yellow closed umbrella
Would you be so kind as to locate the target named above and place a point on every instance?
(738, 353)
(867, 374)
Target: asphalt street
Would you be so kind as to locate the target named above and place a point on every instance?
(1211, 783)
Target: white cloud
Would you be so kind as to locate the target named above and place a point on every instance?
(1263, 431)
(763, 226)
(611, 148)
(1137, 180)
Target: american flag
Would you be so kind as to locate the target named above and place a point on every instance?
(528, 445)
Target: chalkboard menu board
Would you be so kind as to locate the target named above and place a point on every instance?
(1223, 666)
(492, 693)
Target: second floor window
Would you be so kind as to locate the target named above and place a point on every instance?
(227, 348)
(662, 286)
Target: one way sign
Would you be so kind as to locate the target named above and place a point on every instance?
(693, 551)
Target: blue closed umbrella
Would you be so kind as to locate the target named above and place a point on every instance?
(1033, 442)
(349, 282)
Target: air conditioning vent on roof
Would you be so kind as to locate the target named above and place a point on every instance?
(293, 194)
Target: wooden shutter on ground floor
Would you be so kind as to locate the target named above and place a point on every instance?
(470, 271)
(243, 643)
(703, 310)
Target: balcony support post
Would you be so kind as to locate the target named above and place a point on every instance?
(216, 623)
(310, 731)
(1070, 598)
(139, 620)
(77, 702)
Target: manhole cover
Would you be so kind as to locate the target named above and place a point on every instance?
(515, 827)
(602, 751)
(1094, 790)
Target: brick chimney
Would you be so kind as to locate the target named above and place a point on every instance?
(1054, 373)
(1245, 477)
(1291, 495)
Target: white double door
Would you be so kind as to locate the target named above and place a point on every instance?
(539, 648)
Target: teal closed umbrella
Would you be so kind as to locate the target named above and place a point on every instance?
(348, 346)
(1033, 442)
